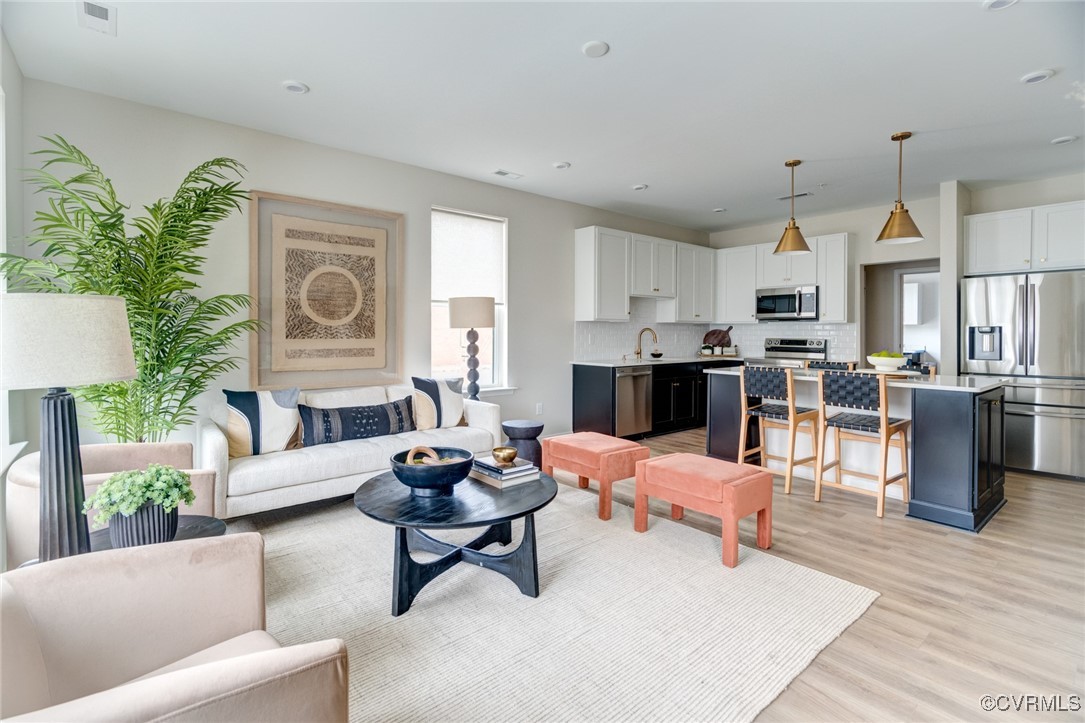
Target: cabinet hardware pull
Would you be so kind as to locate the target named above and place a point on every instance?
(1043, 260)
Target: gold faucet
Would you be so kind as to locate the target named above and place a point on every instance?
(640, 335)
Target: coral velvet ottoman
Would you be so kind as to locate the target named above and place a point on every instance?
(722, 489)
(591, 455)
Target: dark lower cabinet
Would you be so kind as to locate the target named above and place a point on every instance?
(958, 457)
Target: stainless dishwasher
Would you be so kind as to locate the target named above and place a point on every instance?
(632, 401)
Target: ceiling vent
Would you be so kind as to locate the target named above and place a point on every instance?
(508, 174)
(804, 194)
(97, 17)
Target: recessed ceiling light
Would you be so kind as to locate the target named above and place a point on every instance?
(295, 87)
(595, 48)
(718, 210)
(640, 187)
(998, 4)
(1038, 76)
(1063, 140)
(562, 165)
(508, 174)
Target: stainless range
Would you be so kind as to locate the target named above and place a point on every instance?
(792, 353)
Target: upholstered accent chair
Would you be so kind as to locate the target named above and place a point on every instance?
(99, 462)
(167, 632)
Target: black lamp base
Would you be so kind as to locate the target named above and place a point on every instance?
(472, 365)
(63, 526)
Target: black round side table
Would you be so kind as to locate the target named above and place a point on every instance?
(524, 434)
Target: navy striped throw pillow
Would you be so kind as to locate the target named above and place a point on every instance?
(323, 426)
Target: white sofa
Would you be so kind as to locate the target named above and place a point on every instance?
(245, 485)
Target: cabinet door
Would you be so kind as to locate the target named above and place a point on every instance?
(832, 279)
(803, 268)
(998, 242)
(642, 249)
(685, 401)
(1058, 236)
(772, 270)
(990, 449)
(611, 275)
(686, 292)
(662, 404)
(736, 285)
(705, 286)
(664, 266)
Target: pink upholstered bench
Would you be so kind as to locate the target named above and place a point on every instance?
(591, 455)
(722, 489)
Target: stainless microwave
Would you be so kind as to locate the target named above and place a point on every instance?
(788, 303)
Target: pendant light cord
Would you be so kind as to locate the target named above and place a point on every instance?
(900, 167)
(793, 193)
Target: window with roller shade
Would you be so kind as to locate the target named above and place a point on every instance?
(468, 258)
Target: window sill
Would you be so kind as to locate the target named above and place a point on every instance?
(496, 392)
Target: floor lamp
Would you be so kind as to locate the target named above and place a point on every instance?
(55, 341)
(471, 312)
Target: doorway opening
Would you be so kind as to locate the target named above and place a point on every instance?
(901, 310)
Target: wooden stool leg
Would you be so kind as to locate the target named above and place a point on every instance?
(582, 481)
(729, 537)
(839, 458)
(791, 429)
(677, 512)
(882, 472)
(904, 465)
(763, 445)
(819, 469)
(764, 528)
(605, 496)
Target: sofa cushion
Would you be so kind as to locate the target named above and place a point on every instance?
(437, 402)
(352, 397)
(251, 642)
(249, 475)
(323, 426)
(261, 422)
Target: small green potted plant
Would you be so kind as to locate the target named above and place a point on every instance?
(140, 506)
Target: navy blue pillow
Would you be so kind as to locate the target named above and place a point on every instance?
(323, 426)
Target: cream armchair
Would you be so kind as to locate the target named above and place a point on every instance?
(173, 631)
(99, 462)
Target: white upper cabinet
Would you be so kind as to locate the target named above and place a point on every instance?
(776, 270)
(652, 271)
(1000, 242)
(736, 285)
(695, 293)
(832, 277)
(1025, 239)
(1058, 236)
(601, 274)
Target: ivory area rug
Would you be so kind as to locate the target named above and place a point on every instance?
(628, 626)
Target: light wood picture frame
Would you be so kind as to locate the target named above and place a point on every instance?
(327, 282)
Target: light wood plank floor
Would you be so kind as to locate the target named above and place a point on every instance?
(960, 615)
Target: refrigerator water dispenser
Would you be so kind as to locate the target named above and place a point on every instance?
(985, 343)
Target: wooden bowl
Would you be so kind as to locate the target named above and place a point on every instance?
(505, 455)
(433, 480)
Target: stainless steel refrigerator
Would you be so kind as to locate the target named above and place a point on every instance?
(1031, 329)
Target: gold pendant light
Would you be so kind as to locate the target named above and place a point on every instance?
(792, 241)
(900, 228)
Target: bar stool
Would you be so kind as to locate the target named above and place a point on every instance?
(834, 365)
(859, 390)
(778, 384)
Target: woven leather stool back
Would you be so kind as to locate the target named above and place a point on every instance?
(765, 382)
(850, 389)
(837, 366)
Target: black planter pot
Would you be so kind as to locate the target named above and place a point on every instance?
(147, 525)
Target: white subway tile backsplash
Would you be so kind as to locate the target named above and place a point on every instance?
(598, 340)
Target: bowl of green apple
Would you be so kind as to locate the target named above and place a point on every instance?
(886, 361)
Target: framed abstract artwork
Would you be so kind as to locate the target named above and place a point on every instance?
(327, 279)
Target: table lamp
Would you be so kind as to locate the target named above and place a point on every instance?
(471, 312)
(55, 341)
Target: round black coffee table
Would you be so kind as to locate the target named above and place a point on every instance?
(189, 527)
(471, 504)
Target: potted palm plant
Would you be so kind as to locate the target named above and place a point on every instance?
(140, 506)
(88, 246)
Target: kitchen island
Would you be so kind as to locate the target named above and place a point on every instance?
(956, 445)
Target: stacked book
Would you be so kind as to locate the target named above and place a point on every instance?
(501, 475)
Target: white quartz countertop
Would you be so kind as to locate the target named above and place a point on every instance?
(655, 362)
(975, 385)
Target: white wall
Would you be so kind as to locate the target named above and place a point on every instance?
(146, 151)
(1058, 189)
